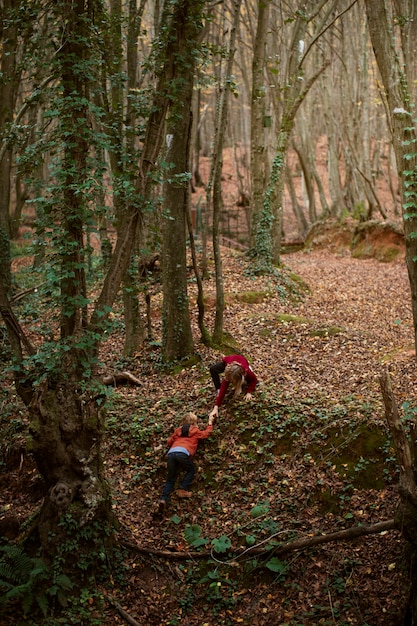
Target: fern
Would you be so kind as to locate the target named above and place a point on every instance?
(15, 566)
(26, 579)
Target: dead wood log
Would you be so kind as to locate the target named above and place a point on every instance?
(298, 544)
(120, 378)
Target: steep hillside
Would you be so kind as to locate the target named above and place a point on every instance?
(309, 455)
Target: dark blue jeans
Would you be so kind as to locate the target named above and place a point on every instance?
(177, 462)
(215, 370)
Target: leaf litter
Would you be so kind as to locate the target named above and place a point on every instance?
(275, 469)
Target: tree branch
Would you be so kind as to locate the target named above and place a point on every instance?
(298, 544)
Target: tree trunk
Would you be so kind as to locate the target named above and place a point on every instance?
(404, 136)
(9, 78)
(258, 150)
(406, 514)
(217, 172)
(177, 339)
(66, 429)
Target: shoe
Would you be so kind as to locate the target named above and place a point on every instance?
(181, 493)
(161, 507)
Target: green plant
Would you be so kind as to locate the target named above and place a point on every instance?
(193, 536)
(29, 581)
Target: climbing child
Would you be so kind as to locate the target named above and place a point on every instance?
(238, 373)
(182, 446)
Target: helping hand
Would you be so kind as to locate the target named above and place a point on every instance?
(248, 396)
(214, 413)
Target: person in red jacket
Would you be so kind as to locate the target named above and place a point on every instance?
(182, 446)
(238, 373)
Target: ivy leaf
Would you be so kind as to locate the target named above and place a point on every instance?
(260, 509)
(222, 544)
(192, 535)
(275, 565)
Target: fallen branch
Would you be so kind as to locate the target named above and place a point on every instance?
(24, 293)
(298, 544)
(123, 613)
(120, 378)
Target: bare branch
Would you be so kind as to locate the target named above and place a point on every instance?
(298, 544)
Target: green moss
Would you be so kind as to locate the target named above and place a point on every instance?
(252, 297)
(357, 454)
(294, 319)
(186, 363)
(331, 331)
(388, 254)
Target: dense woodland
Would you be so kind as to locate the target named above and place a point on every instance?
(183, 179)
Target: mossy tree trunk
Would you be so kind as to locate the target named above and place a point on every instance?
(58, 383)
(400, 111)
(259, 151)
(177, 339)
(9, 78)
(216, 173)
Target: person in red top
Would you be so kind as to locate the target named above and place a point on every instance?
(238, 373)
(182, 446)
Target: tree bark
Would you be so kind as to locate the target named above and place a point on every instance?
(399, 112)
(217, 171)
(258, 151)
(406, 514)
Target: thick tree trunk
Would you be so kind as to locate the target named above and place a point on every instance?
(177, 339)
(66, 428)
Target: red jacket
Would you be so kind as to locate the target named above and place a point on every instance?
(251, 379)
(190, 443)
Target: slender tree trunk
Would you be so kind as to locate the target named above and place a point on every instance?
(258, 151)
(302, 224)
(217, 172)
(8, 79)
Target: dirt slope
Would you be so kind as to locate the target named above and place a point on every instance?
(318, 356)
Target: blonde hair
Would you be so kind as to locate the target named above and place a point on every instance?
(235, 375)
(190, 418)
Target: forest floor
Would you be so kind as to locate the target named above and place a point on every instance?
(309, 455)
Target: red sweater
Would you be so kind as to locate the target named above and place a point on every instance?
(190, 443)
(250, 376)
